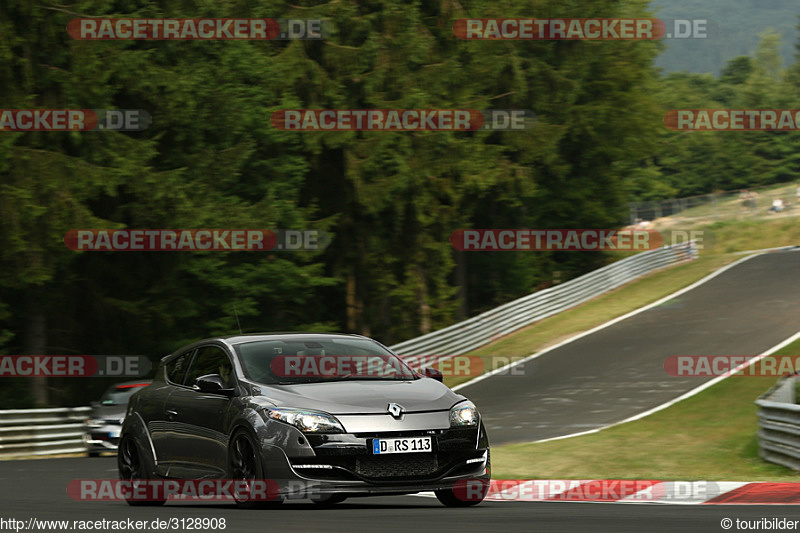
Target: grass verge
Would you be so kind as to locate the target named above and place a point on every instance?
(710, 436)
(728, 237)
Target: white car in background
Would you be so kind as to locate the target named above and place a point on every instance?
(107, 415)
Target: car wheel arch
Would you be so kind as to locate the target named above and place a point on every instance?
(242, 426)
(136, 429)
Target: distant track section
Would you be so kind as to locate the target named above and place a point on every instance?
(486, 327)
(618, 371)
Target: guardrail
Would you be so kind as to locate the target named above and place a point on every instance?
(779, 424)
(486, 327)
(25, 432)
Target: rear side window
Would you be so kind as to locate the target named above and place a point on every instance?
(176, 369)
(210, 360)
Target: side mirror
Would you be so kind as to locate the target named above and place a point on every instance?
(214, 384)
(429, 372)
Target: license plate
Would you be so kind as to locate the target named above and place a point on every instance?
(401, 445)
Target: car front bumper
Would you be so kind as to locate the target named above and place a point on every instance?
(102, 438)
(345, 464)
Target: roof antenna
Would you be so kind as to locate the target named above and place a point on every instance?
(237, 319)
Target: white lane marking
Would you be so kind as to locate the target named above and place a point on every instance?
(689, 394)
(766, 250)
(669, 498)
(603, 326)
(669, 494)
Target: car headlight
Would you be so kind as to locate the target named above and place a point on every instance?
(306, 420)
(464, 414)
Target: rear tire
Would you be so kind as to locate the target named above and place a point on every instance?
(134, 466)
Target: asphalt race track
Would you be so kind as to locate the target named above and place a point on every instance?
(618, 372)
(38, 489)
(599, 379)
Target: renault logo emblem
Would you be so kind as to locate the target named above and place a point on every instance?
(396, 410)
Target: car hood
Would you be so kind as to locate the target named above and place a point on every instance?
(363, 397)
(109, 412)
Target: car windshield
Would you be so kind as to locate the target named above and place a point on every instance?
(293, 361)
(119, 394)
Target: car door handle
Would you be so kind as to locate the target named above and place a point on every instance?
(172, 413)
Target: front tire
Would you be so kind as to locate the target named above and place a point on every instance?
(134, 466)
(449, 498)
(244, 464)
(465, 496)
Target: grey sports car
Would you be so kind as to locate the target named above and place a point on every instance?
(325, 416)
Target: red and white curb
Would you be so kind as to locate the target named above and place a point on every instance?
(642, 491)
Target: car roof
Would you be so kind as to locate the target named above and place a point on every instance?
(289, 335)
(233, 340)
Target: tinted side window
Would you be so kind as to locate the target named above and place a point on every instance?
(176, 369)
(210, 360)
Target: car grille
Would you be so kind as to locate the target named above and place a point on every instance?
(407, 465)
(352, 458)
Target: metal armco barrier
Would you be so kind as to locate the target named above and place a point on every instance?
(484, 328)
(25, 432)
(779, 425)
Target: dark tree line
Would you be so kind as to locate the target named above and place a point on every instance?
(211, 159)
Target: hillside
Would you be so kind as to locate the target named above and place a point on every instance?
(740, 23)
